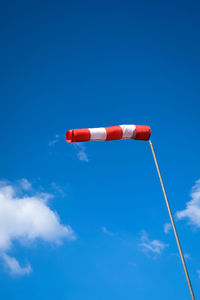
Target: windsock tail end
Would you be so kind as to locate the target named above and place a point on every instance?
(143, 132)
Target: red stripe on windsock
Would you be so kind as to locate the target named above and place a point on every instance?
(78, 135)
(143, 132)
(114, 133)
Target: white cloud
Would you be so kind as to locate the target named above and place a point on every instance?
(192, 210)
(81, 152)
(26, 218)
(151, 246)
(167, 228)
(14, 267)
(55, 140)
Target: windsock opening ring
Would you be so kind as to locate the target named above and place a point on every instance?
(69, 136)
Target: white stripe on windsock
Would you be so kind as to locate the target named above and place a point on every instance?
(129, 131)
(98, 134)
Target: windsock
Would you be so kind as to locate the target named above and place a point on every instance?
(136, 132)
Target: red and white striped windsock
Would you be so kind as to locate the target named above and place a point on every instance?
(136, 132)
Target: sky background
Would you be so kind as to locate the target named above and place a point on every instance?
(88, 222)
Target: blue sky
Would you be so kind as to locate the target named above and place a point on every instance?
(89, 221)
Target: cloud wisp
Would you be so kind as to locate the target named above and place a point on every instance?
(58, 189)
(167, 228)
(55, 140)
(106, 231)
(187, 255)
(132, 264)
(26, 217)
(24, 184)
(192, 210)
(151, 246)
(81, 152)
(13, 266)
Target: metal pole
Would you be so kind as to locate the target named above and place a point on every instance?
(173, 224)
